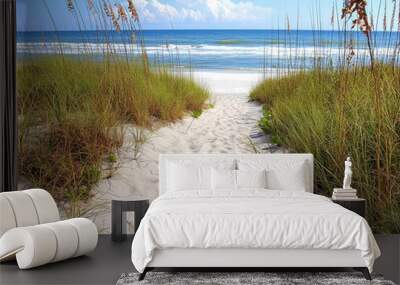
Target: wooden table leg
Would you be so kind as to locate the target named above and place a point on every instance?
(116, 223)
(140, 211)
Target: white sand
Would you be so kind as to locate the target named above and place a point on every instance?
(222, 129)
(228, 81)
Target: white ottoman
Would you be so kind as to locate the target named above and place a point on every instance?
(31, 232)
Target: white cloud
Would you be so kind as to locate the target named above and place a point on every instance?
(230, 10)
(151, 10)
(149, 16)
(195, 15)
(201, 11)
(164, 9)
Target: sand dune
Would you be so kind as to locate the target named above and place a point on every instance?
(225, 128)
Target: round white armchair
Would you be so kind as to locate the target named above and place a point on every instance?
(31, 230)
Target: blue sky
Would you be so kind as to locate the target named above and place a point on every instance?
(195, 14)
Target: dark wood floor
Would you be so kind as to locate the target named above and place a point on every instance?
(110, 260)
(103, 266)
(389, 262)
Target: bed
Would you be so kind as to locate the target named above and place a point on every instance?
(246, 211)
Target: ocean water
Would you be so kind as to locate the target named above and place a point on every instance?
(216, 49)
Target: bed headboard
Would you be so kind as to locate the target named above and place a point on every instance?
(213, 159)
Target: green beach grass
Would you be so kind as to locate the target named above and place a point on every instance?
(72, 109)
(72, 113)
(335, 113)
(351, 108)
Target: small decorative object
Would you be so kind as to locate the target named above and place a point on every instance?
(347, 174)
(119, 210)
(346, 193)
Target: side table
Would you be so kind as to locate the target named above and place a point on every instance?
(356, 205)
(118, 216)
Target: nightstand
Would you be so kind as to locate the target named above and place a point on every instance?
(356, 205)
(118, 216)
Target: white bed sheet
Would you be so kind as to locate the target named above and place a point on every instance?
(253, 218)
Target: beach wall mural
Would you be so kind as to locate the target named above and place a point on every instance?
(104, 87)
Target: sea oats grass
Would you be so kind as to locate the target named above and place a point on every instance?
(72, 109)
(350, 107)
(311, 112)
(71, 113)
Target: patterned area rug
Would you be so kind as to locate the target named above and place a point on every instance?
(243, 278)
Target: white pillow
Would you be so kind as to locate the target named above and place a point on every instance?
(292, 180)
(223, 179)
(281, 174)
(251, 178)
(215, 162)
(184, 178)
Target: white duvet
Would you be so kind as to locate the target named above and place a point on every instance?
(250, 219)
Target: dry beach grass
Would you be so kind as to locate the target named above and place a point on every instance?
(72, 109)
(349, 109)
(312, 112)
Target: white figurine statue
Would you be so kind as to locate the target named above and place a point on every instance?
(347, 174)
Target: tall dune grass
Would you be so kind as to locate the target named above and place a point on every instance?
(311, 112)
(349, 109)
(72, 109)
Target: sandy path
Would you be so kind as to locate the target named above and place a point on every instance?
(222, 129)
